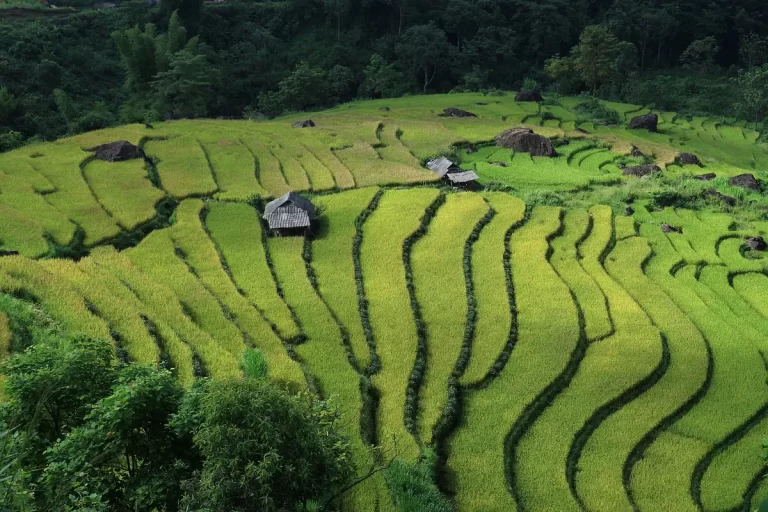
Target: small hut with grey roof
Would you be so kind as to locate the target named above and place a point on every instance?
(289, 215)
(452, 173)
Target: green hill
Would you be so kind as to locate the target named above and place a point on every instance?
(558, 354)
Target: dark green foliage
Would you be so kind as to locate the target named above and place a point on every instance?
(124, 453)
(51, 386)
(307, 87)
(412, 485)
(255, 365)
(382, 80)
(594, 111)
(15, 487)
(262, 449)
(28, 324)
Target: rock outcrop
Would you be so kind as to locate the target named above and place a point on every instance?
(523, 140)
(648, 122)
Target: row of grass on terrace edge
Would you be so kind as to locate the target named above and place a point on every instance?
(722, 408)
(439, 282)
(325, 356)
(395, 220)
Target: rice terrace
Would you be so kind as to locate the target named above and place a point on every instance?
(584, 330)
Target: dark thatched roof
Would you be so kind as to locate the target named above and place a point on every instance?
(289, 211)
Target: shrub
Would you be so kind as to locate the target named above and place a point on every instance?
(255, 365)
(413, 485)
(594, 111)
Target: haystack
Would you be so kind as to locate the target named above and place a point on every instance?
(307, 123)
(523, 140)
(117, 151)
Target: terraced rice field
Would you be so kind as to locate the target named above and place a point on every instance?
(556, 358)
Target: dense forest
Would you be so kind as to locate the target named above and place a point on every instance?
(79, 69)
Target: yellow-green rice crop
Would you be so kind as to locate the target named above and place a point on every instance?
(201, 255)
(182, 166)
(124, 190)
(396, 217)
(236, 231)
(235, 169)
(438, 276)
(489, 276)
(334, 267)
(270, 174)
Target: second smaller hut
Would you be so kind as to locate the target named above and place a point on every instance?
(290, 215)
(452, 173)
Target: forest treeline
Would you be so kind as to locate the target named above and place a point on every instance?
(137, 62)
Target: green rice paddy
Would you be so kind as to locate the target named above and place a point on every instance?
(558, 357)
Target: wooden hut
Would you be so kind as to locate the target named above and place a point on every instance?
(452, 173)
(289, 215)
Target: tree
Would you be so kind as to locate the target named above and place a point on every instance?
(753, 92)
(700, 55)
(185, 90)
(424, 50)
(125, 454)
(338, 9)
(50, 387)
(595, 55)
(10, 106)
(382, 80)
(561, 70)
(753, 50)
(262, 449)
(341, 81)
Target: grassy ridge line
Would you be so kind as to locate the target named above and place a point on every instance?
(477, 456)
(295, 175)
(236, 230)
(730, 252)
(319, 176)
(492, 287)
(133, 287)
(159, 258)
(324, 353)
(439, 282)
(201, 255)
(235, 169)
(396, 218)
(647, 468)
(124, 320)
(269, 171)
(6, 337)
(22, 234)
(15, 165)
(334, 264)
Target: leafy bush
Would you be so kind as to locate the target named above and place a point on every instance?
(255, 365)
(413, 485)
(594, 111)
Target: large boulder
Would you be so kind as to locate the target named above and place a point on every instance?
(523, 140)
(744, 181)
(728, 200)
(648, 122)
(307, 123)
(688, 159)
(117, 151)
(641, 170)
(636, 152)
(456, 112)
(529, 96)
